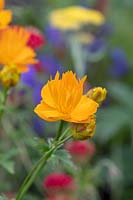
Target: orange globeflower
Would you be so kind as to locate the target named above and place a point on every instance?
(5, 15)
(63, 99)
(14, 49)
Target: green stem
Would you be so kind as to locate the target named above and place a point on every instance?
(64, 140)
(33, 173)
(60, 130)
(64, 134)
(39, 166)
(5, 94)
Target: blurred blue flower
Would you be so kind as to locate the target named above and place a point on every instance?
(120, 64)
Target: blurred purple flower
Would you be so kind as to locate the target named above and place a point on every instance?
(120, 64)
(104, 30)
(97, 45)
(29, 78)
(84, 4)
(38, 126)
(54, 36)
(49, 64)
(36, 95)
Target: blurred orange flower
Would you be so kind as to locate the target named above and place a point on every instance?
(14, 49)
(63, 99)
(5, 15)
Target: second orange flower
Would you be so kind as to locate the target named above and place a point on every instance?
(14, 49)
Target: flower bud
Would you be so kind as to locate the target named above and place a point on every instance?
(84, 131)
(9, 76)
(98, 94)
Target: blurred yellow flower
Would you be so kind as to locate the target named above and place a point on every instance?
(5, 15)
(84, 15)
(9, 76)
(60, 20)
(84, 38)
(74, 17)
(63, 99)
(14, 50)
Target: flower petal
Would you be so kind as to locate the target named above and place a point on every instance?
(5, 18)
(47, 96)
(85, 108)
(48, 113)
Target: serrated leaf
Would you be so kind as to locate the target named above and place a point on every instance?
(64, 156)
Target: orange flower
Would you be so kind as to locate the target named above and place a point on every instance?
(2, 4)
(5, 15)
(63, 99)
(14, 50)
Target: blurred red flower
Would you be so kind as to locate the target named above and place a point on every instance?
(55, 181)
(36, 39)
(81, 151)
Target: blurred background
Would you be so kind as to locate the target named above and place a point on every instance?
(101, 169)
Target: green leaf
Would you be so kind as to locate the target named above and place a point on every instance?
(31, 196)
(122, 93)
(6, 160)
(3, 198)
(2, 107)
(9, 166)
(127, 153)
(1, 96)
(41, 145)
(10, 154)
(111, 120)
